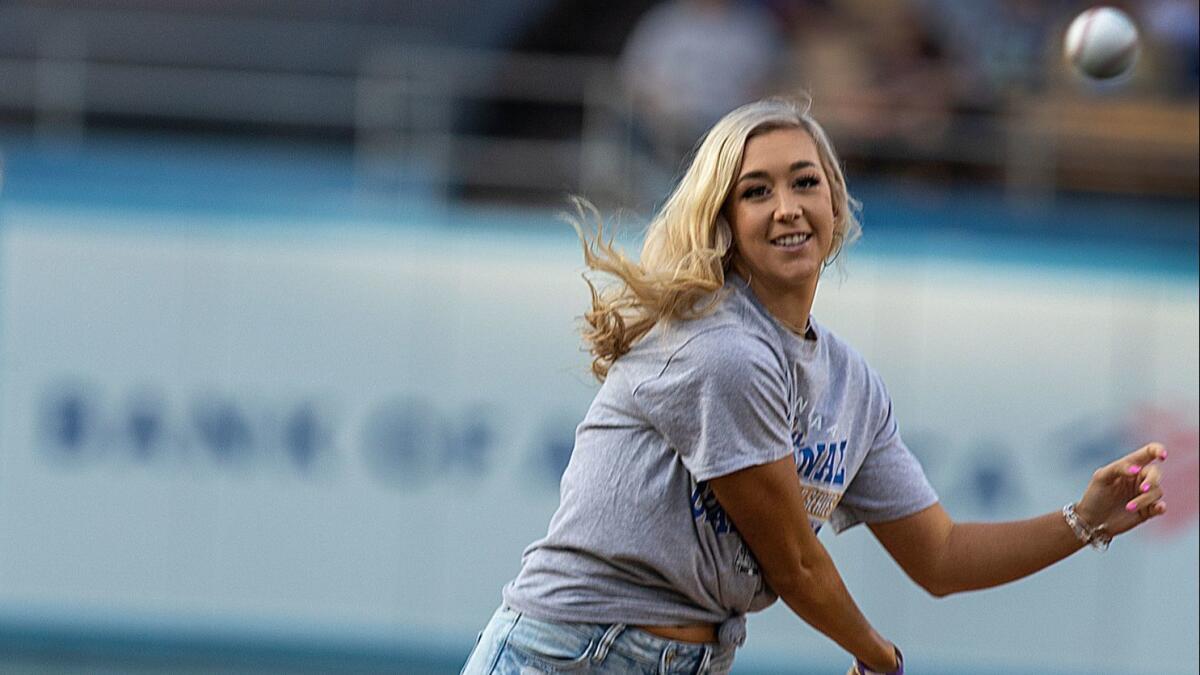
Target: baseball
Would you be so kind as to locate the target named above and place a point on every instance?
(1102, 43)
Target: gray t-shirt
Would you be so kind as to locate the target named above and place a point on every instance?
(639, 537)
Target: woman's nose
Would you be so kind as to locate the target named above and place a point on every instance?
(788, 210)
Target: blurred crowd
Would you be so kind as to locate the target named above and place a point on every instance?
(943, 89)
(902, 76)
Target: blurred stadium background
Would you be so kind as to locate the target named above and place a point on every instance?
(288, 368)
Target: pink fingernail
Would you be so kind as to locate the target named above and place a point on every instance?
(1145, 487)
(1131, 506)
(1135, 469)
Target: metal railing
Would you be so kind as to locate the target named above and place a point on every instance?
(404, 106)
(408, 100)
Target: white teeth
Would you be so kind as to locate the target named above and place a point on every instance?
(791, 240)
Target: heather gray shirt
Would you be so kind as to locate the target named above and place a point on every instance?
(639, 537)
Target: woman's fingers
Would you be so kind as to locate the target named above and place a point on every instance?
(1149, 478)
(1156, 509)
(1134, 463)
(1147, 503)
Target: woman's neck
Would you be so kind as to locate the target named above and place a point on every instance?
(793, 314)
(790, 307)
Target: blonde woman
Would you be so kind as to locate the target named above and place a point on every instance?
(731, 426)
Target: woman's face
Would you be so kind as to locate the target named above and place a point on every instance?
(781, 214)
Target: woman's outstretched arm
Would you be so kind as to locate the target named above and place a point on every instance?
(945, 557)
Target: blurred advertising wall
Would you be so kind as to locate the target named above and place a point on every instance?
(347, 433)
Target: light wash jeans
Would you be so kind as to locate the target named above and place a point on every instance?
(515, 644)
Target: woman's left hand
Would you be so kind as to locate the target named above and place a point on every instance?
(1126, 493)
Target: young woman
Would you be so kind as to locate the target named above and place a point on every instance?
(731, 426)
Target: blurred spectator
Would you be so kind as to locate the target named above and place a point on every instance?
(688, 62)
(1007, 44)
(1173, 26)
(1014, 46)
(877, 71)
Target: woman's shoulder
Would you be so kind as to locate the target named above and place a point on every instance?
(843, 355)
(834, 344)
(722, 340)
(733, 318)
(731, 350)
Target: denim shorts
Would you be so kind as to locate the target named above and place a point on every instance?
(515, 644)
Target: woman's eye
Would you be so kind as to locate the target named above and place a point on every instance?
(807, 182)
(756, 191)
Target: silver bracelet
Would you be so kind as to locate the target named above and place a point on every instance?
(1096, 537)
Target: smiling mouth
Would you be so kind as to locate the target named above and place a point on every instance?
(788, 240)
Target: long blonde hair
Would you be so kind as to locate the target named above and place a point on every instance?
(688, 244)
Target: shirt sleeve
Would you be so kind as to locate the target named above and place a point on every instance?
(721, 403)
(890, 484)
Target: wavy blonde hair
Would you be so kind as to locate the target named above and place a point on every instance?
(688, 245)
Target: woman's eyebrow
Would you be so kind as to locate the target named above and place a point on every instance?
(796, 166)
